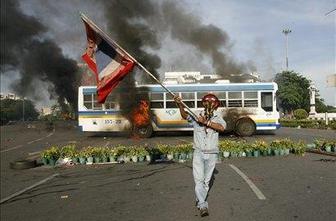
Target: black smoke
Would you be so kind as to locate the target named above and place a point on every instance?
(36, 58)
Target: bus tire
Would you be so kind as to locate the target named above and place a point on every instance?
(22, 164)
(143, 132)
(245, 127)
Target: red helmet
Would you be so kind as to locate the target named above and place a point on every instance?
(212, 99)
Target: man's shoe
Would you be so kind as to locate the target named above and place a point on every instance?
(204, 212)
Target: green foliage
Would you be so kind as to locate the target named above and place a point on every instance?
(293, 90)
(317, 124)
(300, 114)
(51, 153)
(12, 110)
(68, 151)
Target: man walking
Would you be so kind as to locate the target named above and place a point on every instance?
(206, 128)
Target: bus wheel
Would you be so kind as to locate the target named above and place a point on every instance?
(245, 127)
(143, 132)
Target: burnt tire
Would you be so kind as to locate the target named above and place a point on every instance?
(245, 127)
(143, 132)
(22, 164)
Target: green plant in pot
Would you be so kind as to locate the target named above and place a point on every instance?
(127, 154)
(275, 145)
(88, 154)
(262, 146)
(133, 153)
(225, 147)
(300, 148)
(51, 155)
(120, 152)
(82, 157)
(142, 153)
(286, 145)
(112, 154)
(234, 148)
(68, 151)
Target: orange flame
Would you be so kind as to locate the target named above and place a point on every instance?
(140, 116)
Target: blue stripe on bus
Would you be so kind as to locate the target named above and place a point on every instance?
(201, 88)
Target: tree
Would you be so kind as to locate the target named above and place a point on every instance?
(12, 110)
(293, 91)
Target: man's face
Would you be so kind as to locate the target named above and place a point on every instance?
(209, 108)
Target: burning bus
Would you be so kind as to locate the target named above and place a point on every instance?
(246, 107)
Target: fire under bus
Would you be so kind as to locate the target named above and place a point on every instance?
(246, 107)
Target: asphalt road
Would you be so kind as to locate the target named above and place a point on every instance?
(295, 188)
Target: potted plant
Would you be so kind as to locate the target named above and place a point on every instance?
(82, 157)
(275, 146)
(68, 151)
(260, 146)
(224, 147)
(112, 154)
(51, 155)
(299, 148)
(126, 155)
(88, 154)
(327, 146)
(142, 153)
(133, 153)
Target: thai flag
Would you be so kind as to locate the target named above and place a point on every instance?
(110, 63)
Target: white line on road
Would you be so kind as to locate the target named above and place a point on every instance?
(255, 189)
(28, 188)
(13, 148)
(30, 142)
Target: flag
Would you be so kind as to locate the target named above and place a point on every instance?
(109, 63)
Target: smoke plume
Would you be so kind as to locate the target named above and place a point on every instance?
(35, 57)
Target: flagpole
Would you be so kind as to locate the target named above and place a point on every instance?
(85, 18)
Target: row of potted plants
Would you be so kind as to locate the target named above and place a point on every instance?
(279, 147)
(323, 145)
(90, 155)
(181, 152)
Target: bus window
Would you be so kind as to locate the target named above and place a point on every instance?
(188, 98)
(96, 105)
(251, 99)
(266, 101)
(156, 100)
(88, 101)
(235, 99)
(170, 103)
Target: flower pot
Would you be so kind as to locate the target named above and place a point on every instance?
(249, 153)
(52, 161)
(97, 159)
(256, 153)
(89, 160)
(281, 152)
(190, 155)
(176, 156)
(226, 154)
(286, 151)
(234, 154)
(170, 156)
(82, 160)
(269, 152)
(75, 160)
(276, 152)
(135, 159)
(163, 156)
(183, 156)
(120, 158)
(333, 149)
(264, 153)
(104, 159)
(328, 148)
(127, 159)
(45, 161)
(148, 158)
(141, 158)
(112, 158)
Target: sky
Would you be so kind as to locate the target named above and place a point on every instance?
(254, 29)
